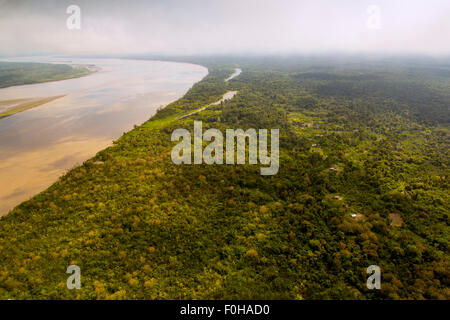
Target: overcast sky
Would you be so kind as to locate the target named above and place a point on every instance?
(226, 26)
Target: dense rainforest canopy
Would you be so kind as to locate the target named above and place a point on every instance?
(363, 180)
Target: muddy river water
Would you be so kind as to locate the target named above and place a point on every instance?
(40, 144)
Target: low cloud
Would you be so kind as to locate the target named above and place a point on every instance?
(225, 26)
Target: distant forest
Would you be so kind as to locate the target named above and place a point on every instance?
(19, 73)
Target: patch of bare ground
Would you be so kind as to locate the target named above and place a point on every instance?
(396, 219)
(358, 216)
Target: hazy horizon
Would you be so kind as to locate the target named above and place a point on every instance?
(200, 27)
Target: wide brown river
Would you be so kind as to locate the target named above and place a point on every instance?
(40, 144)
